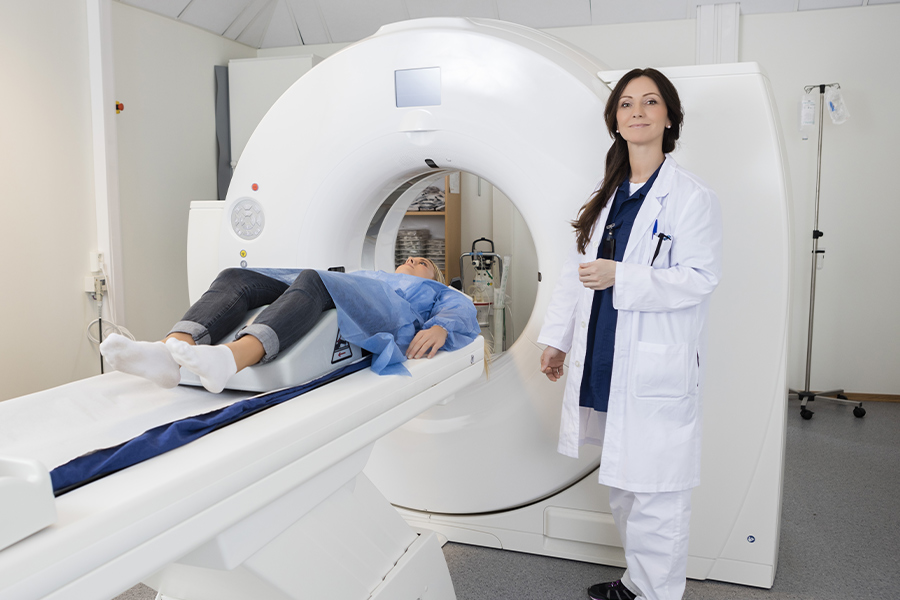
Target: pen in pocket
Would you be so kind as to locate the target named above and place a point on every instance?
(662, 237)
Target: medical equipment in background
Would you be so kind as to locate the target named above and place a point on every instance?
(830, 93)
(501, 303)
(487, 289)
(482, 468)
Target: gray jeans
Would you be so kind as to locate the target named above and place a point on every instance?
(293, 310)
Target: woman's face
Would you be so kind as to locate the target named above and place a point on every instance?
(641, 113)
(418, 266)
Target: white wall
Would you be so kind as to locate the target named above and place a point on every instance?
(47, 199)
(512, 238)
(630, 45)
(856, 341)
(254, 84)
(167, 154)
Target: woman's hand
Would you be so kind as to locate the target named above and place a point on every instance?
(552, 363)
(427, 342)
(597, 275)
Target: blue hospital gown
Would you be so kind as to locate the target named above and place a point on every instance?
(382, 312)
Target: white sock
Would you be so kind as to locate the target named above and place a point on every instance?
(214, 365)
(150, 360)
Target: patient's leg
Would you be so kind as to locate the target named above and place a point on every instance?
(150, 360)
(225, 304)
(290, 317)
(281, 324)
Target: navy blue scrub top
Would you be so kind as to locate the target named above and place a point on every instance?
(598, 358)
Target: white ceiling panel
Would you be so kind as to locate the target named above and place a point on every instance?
(213, 15)
(309, 20)
(817, 4)
(540, 13)
(282, 30)
(753, 7)
(168, 8)
(482, 9)
(255, 31)
(250, 12)
(353, 20)
(605, 12)
(274, 23)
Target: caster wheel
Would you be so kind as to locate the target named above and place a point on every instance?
(806, 414)
(859, 412)
(842, 397)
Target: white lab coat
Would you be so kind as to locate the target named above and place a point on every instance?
(651, 432)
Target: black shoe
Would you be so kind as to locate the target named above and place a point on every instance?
(612, 590)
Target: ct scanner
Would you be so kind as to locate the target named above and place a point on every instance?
(277, 506)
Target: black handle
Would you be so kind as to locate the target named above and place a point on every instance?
(484, 239)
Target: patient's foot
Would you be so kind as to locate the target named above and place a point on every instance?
(150, 360)
(214, 365)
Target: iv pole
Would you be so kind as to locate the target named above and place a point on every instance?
(806, 395)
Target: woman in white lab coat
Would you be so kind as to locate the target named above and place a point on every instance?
(629, 310)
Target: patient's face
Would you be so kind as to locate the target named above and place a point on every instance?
(418, 266)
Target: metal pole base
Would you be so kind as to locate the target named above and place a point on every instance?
(806, 396)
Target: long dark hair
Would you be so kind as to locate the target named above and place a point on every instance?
(617, 162)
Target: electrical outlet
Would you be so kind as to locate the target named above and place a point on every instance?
(94, 284)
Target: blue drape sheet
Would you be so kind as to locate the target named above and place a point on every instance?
(159, 440)
(382, 312)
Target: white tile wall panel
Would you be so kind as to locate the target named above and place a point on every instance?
(540, 13)
(819, 4)
(753, 7)
(606, 12)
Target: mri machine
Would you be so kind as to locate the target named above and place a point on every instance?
(295, 502)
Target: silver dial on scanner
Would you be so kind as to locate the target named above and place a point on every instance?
(247, 218)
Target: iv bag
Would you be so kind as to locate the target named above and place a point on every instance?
(807, 110)
(807, 114)
(834, 104)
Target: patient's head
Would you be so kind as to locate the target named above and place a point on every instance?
(420, 267)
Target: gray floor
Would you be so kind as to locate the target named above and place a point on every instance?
(840, 534)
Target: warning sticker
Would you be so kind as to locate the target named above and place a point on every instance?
(342, 349)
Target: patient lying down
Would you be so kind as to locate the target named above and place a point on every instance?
(405, 314)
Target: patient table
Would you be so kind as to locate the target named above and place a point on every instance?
(274, 506)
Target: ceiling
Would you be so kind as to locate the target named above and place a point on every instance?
(277, 23)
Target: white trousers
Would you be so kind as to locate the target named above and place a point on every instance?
(654, 528)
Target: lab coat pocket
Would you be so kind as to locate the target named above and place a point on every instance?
(661, 371)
